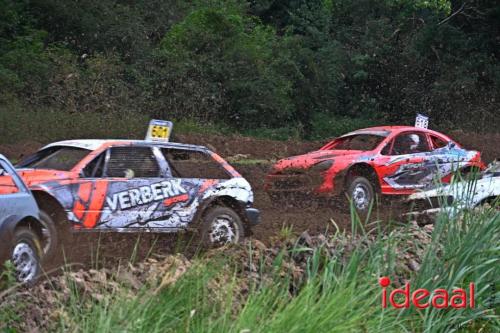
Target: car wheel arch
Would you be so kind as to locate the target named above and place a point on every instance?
(224, 201)
(48, 203)
(364, 170)
(32, 223)
(489, 200)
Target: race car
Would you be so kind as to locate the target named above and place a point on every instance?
(459, 196)
(21, 231)
(139, 185)
(388, 160)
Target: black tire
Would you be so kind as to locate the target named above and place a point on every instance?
(50, 236)
(468, 174)
(26, 255)
(220, 226)
(362, 194)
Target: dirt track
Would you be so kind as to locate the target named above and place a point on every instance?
(313, 216)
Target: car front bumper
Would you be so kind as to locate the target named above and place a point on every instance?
(253, 215)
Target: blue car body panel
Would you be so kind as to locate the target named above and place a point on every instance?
(16, 204)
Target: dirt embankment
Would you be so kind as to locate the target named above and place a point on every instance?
(311, 215)
(299, 215)
(487, 144)
(226, 146)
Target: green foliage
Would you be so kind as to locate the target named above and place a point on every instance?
(45, 125)
(339, 291)
(257, 66)
(328, 126)
(7, 275)
(460, 241)
(232, 58)
(280, 133)
(23, 61)
(90, 26)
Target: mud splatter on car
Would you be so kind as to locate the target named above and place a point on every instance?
(389, 160)
(139, 185)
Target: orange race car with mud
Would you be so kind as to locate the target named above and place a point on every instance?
(388, 160)
(138, 185)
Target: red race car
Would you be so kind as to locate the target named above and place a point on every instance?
(384, 160)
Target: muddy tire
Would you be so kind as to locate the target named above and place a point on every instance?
(50, 236)
(26, 255)
(362, 194)
(221, 226)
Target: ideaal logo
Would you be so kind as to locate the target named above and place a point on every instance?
(422, 298)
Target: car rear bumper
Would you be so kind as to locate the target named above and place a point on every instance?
(253, 216)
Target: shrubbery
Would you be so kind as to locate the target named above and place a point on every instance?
(314, 67)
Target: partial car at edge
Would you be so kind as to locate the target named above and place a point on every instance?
(459, 196)
(21, 232)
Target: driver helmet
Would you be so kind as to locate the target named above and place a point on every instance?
(414, 141)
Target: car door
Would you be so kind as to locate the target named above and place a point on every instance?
(14, 195)
(198, 173)
(125, 188)
(406, 163)
(449, 156)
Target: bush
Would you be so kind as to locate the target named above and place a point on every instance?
(330, 126)
(226, 63)
(269, 64)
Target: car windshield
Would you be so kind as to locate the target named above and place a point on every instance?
(55, 158)
(363, 142)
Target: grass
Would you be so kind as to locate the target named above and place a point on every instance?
(20, 124)
(338, 292)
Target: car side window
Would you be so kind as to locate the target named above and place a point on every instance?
(410, 143)
(193, 164)
(95, 169)
(437, 142)
(387, 149)
(131, 162)
(7, 184)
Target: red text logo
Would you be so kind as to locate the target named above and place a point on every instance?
(422, 298)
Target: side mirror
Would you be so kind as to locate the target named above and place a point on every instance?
(451, 145)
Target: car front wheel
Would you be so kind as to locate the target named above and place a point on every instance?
(362, 194)
(26, 254)
(220, 226)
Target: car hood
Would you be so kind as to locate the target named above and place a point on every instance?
(308, 160)
(37, 176)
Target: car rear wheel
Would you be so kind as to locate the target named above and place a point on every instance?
(221, 226)
(26, 255)
(361, 194)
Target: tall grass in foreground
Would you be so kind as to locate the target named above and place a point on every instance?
(462, 251)
(339, 294)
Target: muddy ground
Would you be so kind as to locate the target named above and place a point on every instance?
(252, 157)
